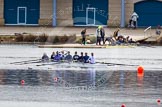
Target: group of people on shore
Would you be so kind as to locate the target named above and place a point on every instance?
(67, 57)
(119, 39)
(116, 39)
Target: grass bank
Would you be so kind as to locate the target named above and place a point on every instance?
(43, 39)
(26, 38)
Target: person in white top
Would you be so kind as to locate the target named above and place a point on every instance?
(92, 59)
(134, 19)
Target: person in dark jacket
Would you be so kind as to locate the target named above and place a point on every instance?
(98, 34)
(83, 34)
(102, 35)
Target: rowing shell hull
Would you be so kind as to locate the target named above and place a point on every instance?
(85, 46)
(121, 46)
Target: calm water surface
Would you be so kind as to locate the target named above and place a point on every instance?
(81, 88)
(84, 88)
(149, 57)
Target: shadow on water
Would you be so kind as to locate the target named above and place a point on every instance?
(88, 78)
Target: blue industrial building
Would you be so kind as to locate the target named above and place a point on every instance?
(150, 12)
(80, 12)
(24, 12)
(90, 12)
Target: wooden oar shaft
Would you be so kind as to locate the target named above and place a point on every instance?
(115, 64)
(38, 61)
(48, 64)
(25, 61)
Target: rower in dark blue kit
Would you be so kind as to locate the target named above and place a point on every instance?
(76, 57)
(86, 58)
(81, 57)
(53, 56)
(68, 57)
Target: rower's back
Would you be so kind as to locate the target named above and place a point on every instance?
(68, 57)
(92, 59)
(86, 58)
(75, 57)
(45, 57)
(57, 57)
(81, 57)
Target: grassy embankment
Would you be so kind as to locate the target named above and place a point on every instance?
(42, 39)
(26, 38)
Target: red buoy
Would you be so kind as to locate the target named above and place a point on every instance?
(158, 101)
(55, 79)
(22, 82)
(123, 105)
(140, 71)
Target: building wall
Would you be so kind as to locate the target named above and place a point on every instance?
(46, 12)
(1, 12)
(129, 8)
(114, 13)
(64, 13)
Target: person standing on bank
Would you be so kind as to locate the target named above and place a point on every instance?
(83, 34)
(134, 19)
(98, 34)
(102, 35)
(158, 30)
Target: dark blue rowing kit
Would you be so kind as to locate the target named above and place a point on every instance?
(86, 59)
(76, 57)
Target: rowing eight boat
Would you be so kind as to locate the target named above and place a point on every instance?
(74, 64)
(86, 46)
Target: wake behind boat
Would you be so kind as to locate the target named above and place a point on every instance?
(72, 64)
